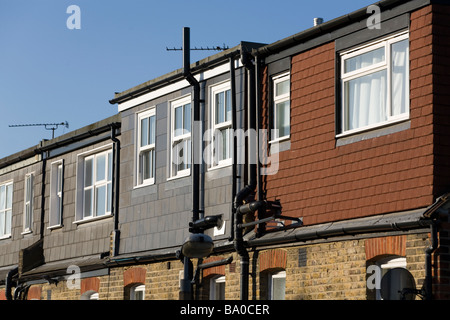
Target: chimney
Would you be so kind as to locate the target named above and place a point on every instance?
(318, 21)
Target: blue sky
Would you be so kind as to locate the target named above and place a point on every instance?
(51, 74)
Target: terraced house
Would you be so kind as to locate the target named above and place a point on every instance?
(315, 167)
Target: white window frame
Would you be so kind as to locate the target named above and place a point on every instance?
(177, 137)
(215, 283)
(28, 203)
(56, 194)
(364, 71)
(277, 275)
(136, 290)
(150, 147)
(224, 125)
(276, 100)
(80, 201)
(6, 209)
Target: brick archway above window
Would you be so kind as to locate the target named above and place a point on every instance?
(90, 284)
(394, 245)
(133, 275)
(219, 270)
(272, 259)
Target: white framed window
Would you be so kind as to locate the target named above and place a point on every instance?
(6, 198)
(28, 203)
(217, 288)
(277, 285)
(137, 292)
(281, 110)
(180, 148)
(56, 193)
(94, 184)
(375, 84)
(146, 137)
(222, 135)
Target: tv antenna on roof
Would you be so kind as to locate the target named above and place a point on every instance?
(48, 126)
(216, 48)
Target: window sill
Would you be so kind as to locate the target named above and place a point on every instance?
(26, 232)
(348, 138)
(5, 237)
(145, 184)
(179, 176)
(56, 226)
(225, 164)
(92, 219)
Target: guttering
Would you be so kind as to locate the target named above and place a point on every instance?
(332, 230)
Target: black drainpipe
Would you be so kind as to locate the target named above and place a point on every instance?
(234, 127)
(9, 282)
(428, 264)
(186, 289)
(116, 184)
(248, 189)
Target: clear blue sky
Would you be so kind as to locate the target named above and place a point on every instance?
(51, 74)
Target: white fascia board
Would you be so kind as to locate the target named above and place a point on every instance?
(175, 86)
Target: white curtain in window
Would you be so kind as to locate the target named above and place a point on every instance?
(366, 100)
(400, 87)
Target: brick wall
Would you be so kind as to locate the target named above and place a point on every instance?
(323, 182)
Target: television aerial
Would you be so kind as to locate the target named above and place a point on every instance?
(48, 126)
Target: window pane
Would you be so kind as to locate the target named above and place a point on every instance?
(225, 150)
(147, 164)
(228, 105)
(220, 107)
(365, 100)
(100, 197)
(187, 118)
(88, 172)
(100, 167)
(59, 179)
(364, 60)
(2, 197)
(178, 121)
(152, 130)
(109, 168)
(144, 132)
(108, 197)
(8, 222)
(88, 199)
(283, 119)
(400, 78)
(2, 223)
(27, 215)
(282, 88)
(9, 194)
(278, 288)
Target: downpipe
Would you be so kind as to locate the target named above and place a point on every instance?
(9, 282)
(428, 264)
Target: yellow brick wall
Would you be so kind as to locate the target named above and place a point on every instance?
(332, 270)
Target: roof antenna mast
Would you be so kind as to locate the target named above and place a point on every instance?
(48, 126)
